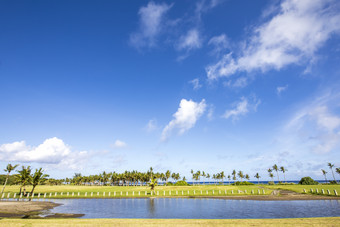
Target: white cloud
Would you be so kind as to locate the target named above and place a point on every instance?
(151, 24)
(195, 83)
(119, 144)
(242, 108)
(185, 118)
(316, 126)
(190, 41)
(51, 151)
(292, 36)
(279, 90)
(219, 43)
(151, 125)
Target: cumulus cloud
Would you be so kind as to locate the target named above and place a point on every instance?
(119, 144)
(195, 83)
(185, 118)
(51, 151)
(150, 24)
(292, 36)
(241, 108)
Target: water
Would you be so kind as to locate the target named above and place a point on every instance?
(197, 208)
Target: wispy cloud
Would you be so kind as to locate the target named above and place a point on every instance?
(185, 118)
(219, 43)
(191, 40)
(151, 125)
(292, 36)
(119, 144)
(317, 124)
(150, 24)
(241, 108)
(279, 90)
(195, 83)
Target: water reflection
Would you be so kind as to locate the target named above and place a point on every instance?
(197, 208)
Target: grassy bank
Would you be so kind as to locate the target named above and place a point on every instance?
(333, 221)
(316, 189)
(69, 191)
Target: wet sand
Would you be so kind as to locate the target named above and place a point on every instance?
(30, 209)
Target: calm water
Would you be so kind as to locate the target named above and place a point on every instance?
(196, 208)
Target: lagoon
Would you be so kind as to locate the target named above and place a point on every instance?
(198, 208)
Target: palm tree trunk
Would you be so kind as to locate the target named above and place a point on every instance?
(333, 175)
(5, 184)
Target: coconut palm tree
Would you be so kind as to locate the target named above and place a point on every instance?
(324, 173)
(222, 176)
(283, 170)
(23, 178)
(240, 175)
(258, 178)
(203, 175)
(229, 179)
(167, 176)
(37, 178)
(8, 169)
(208, 176)
(276, 169)
(234, 175)
(330, 165)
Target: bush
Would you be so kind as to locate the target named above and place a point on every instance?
(307, 181)
(271, 183)
(181, 183)
(243, 183)
(169, 184)
(333, 182)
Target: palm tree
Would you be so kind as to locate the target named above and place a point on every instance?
(330, 165)
(258, 178)
(153, 184)
(283, 170)
(23, 178)
(208, 176)
(167, 176)
(270, 173)
(37, 178)
(276, 169)
(203, 175)
(229, 179)
(8, 169)
(222, 176)
(234, 175)
(240, 175)
(324, 173)
(247, 177)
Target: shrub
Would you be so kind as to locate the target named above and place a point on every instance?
(181, 183)
(271, 183)
(307, 181)
(169, 184)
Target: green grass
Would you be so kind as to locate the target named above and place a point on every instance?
(115, 191)
(331, 221)
(299, 188)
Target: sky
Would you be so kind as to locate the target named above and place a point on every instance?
(210, 85)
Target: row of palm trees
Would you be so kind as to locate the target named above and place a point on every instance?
(25, 177)
(221, 176)
(132, 178)
(330, 165)
(277, 169)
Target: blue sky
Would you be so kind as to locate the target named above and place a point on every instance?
(210, 85)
